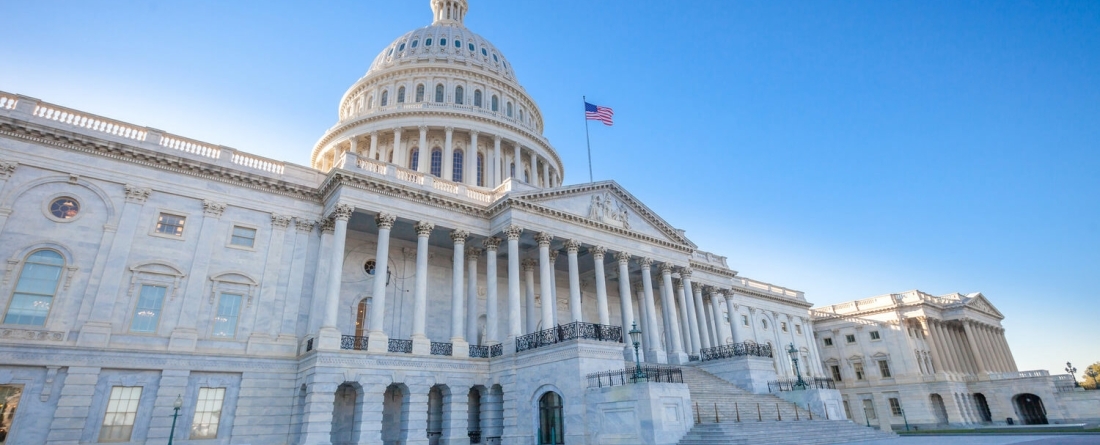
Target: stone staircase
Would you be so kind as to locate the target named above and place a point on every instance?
(764, 418)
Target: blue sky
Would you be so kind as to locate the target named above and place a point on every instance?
(846, 149)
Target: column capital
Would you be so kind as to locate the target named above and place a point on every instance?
(305, 225)
(685, 272)
(397, 130)
(544, 239)
(133, 193)
(424, 228)
(491, 243)
(513, 231)
(213, 209)
(474, 133)
(374, 134)
(423, 128)
(679, 284)
(553, 256)
(328, 225)
(459, 236)
(385, 220)
(342, 212)
(666, 268)
(572, 246)
(645, 262)
(7, 168)
(696, 287)
(449, 130)
(473, 253)
(622, 257)
(280, 221)
(497, 138)
(530, 264)
(598, 252)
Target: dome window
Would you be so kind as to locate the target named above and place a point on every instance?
(439, 93)
(420, 93)
(443, 42)
(509, 108)
(495, 59)
(459, 93)
(484, 52)
(477, 98)
(428, 42)
(471, 46)
(456, 166)
(401, 47)
(385, 98)
(458, 44)
(401, 95)
(437, 162)
(480, 170)
(414, 156)
(495, 104)
(415, 42)
(389, 53)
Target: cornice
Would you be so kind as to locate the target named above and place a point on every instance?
(154, 159)
(712, 269)
(766, 296)
(338, 178)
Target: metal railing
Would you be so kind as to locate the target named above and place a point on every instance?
(693, 357)
(736, 350)
(571, 331)
(400, 345)
(792, 385)
(496, 350)
(440, 348)
(477, 351)
(352, 342)
(649, 374)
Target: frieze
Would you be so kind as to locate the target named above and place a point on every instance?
(31, 334)
(608, 210)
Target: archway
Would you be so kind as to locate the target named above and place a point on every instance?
(494, 416)
(394, 411)
(435, 415)
(1030, 409)
(983, 407)
(346, 415)
(938, 408)
(551, 424)
(475, 417)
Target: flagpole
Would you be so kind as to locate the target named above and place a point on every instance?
(587, 141)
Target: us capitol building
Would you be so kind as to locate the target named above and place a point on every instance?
(429, 279)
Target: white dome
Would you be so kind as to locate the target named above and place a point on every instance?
(445, 43)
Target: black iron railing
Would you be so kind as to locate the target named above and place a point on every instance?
(475, 436)
(571, 331)
(439, 348)
(736, 350)
(352, 342)
(309, 345)
(792, 385)
(477, 351)
(693, 357)
(400, 345)
(496, 350)
(650, 374)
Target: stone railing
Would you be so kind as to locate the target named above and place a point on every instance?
(747, 283)
(258, 163)
(89, 121)
(736, 350)
(190, 146)
(1018, 374)
(7, 102)
(479, 195)
(462, 108)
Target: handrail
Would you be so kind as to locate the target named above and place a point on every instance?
(736, 350)
(571, 331)
(648, 374)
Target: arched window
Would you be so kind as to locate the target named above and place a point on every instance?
(459, 93)
(443, 42)
(414, 157)
(509, 108)
(35, 289)
(480, 170)
(439, 93)
(551, 422)
(521, 115)
(370, 102)
(437, 162)
(512, 170)
(428, 42)
(401, 95)
(420, 93)
(361, 317)
(477, 98)
(385, 98)
(458, 43)
(456, 166)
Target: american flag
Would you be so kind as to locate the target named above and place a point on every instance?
(598, 113)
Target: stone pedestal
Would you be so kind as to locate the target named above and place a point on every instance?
(94, 335)
(751, 373)
(328, 339)
(185, 340)
(643, 413)
(421, 345)
(823, 402)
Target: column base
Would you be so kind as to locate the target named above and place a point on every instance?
(378, 341)
(655, 356)
(422, 345)
(460, 348)
(328, 339)
(677, 358)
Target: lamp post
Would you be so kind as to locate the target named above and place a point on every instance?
(636, 337)
(800, 384)
(1073, 373)
(175, 406)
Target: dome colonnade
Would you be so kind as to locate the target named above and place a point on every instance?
(442, 100)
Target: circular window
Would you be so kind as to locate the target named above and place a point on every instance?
(368, 267)
(764, 322)
(64, 208)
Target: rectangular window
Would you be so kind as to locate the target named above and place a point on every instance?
(168, 224)
(208, 413)
(147, 312)
(874, 335)
(859, 370)
(828, 341)
(884, 368)
(798, 329)
(744, 320)
(243, 236)
(783, 326)
(9, 402)
(895, 406)
(850, 338)
(847, 410)
(225, 321)
(118, 422)
(836, 372)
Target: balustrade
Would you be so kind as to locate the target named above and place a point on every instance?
(736, 350)
(571, 331)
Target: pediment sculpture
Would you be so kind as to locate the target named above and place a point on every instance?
(608, 210)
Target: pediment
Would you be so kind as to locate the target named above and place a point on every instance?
(978, 302)
(606, 204)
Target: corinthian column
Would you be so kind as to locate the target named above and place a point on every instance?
(529, 266)
(669, 305)
(330, 335)
(421, 344)
(460, 348)
(472, 254)
(515, 327)
(424, 161)
(491, 245)
(471, 161)
(685, 318)
(625, 305)
(546, 278)
(972, 341)
(730, 309)
(693, 320)
(448, 154)
(496, 162)
(655, 353)
(601, 285)
(575, 312)
(378, 341)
